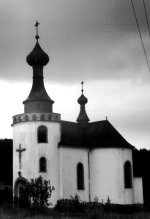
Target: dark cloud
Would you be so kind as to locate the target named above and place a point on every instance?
(88, 40)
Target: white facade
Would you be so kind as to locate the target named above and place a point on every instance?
(25, 133)
(138, 190)
(69, 157)
(107, 175)
(103, 174)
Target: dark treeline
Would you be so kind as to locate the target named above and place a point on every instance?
(6, 154)
(141, 166)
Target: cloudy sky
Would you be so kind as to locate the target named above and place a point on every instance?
(96, 41)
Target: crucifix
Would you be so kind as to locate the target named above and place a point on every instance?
(36, 25)
(20, 150)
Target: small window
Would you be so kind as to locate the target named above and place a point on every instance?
(127, 175)
(80, 176)
(42, 134)
(20, 118)
(34, 117)
(42, 164)
(14, 120)
(42, 117)
(49, 117)
(26, 118)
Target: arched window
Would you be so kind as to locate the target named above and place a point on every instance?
(80, 176)
(127, 175)
(42, 134)
(42, 165)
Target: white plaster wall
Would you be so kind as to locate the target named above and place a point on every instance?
(107, 175)
(68, 160)
(138, 190)
(25, 133)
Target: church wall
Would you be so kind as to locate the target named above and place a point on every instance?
(107, 175)
(138, 190)
(68, 160)
(26, 134)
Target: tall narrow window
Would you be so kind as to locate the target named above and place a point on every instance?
(42, 164)
(80, 176)
(42, 134)
(127, 175)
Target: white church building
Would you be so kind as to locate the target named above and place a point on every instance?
(90, 159)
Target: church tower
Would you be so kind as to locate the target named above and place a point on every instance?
(36, 132)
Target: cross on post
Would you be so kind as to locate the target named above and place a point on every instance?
(20, 150)
(36, 25)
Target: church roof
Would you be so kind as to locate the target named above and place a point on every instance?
(38, 100)
(99, 134)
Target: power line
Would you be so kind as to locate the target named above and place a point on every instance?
(140, 34)
(146, 17)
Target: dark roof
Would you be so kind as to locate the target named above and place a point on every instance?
(96, 135)
(72, 134)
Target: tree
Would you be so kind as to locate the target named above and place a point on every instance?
(40, 190)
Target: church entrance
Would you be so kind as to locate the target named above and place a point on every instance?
(21, 196)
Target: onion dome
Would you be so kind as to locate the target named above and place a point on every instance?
(82, 118)
(38, 100)
(37, 57)
(82, 100)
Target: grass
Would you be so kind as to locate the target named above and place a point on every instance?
(7, 212)
(22, 213)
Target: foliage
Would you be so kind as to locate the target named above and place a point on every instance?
(40, 190)
(108, 201)
(95, 209)
(76, 198)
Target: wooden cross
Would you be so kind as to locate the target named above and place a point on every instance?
(20, 150)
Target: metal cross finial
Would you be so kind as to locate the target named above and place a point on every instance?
(20, 150)
(36, 25)
(82, 86)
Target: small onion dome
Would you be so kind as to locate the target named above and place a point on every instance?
(37, 57)
(82, 100)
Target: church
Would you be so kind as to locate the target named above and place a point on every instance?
(90, 159)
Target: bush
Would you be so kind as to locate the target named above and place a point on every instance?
(93, 208)
(40, 190)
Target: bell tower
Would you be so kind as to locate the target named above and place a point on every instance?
(36, 132)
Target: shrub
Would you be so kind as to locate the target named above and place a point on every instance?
(40, 190)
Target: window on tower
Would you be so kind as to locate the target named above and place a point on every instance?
(80, 176)
(42, 134)
(127, 175)
(42, 165)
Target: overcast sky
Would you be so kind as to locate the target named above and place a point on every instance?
(96, 41)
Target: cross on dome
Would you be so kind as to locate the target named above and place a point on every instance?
(82, 117)
(82, 82)
(37, 34)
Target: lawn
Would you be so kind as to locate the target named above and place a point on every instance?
(16, 213)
